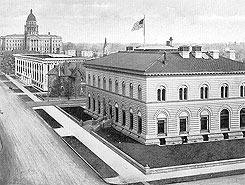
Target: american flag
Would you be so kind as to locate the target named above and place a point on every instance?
(138, 25)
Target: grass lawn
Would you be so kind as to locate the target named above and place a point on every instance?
(17, 90)
(25, 98)
(11, 85)
(100, 166)
(77, 112)
(162, 156)
(31, 89)
(51, 121)
(3, 78)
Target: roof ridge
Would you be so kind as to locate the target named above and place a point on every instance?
(154, 62)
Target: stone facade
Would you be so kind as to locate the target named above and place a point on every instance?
(161, 108)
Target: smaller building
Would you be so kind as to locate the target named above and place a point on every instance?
(67, 79)
(71, 52)
(32, 69)
(87, 53)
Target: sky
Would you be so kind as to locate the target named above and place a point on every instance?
(90, 21)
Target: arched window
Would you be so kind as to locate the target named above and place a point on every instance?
(224, 91)
(123, 88)
(93, 80)
(99, 82)
(104, 83)
(131, 88)
(104, 107)
(123, 116)
(224, 119)
(89, 79)
(89, 101)
(183, 92)
(161, 94)
(242, 118)
(183, 122)
(110, 85)
(204, 121)
(116, 112)
(139, 122)
(242, 90)
(110, 110)
(204, 92)
(116, 86)
(99, 105)
(131, 119)
(93, 104)
(161, 124)
(139, 92)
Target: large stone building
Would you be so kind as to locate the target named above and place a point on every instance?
(32, 69)
(31, 40)
(169, 96)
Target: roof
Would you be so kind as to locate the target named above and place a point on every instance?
(157, 63)
(156, 48)
(14, 35)
(31, 17)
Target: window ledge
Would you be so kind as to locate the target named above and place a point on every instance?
(204, 131)
(161, 134)
(183, 133)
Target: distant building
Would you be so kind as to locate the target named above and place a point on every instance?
(71, 52)
(169, 95)
(31, 40)
(33, 69)
(87, 53)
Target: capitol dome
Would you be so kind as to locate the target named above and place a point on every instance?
(31, 17)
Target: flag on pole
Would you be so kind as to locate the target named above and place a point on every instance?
(138, 25)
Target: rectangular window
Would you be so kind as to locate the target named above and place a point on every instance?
(162, 126)
(183, 124)
(204, 123)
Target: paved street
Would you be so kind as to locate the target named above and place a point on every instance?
(32, 153)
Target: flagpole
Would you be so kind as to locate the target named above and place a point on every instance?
(144, 30)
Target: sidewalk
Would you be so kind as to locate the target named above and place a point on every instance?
(127, 172)
(25, 91)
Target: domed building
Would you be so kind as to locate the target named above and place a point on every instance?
(31, 40)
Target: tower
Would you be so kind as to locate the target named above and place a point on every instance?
(105, 48)
(31, 27)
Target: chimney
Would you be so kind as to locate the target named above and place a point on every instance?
(232, 54)
(171, 41)
(129, 48)
(184, 51)
(214, 54)
(197, 51)
(48, 33)
(167, 43)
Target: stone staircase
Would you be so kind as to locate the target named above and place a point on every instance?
(95, 125)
